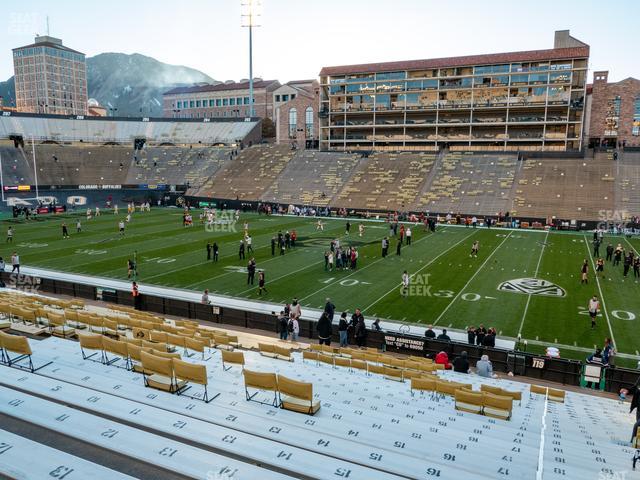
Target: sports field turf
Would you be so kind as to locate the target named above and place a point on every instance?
(449, 288)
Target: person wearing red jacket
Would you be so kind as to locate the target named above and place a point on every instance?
(443, 359)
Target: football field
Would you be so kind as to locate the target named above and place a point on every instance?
(522, 282)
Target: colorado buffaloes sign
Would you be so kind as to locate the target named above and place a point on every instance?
(532, 286)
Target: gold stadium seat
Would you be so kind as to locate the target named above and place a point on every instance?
(537, 389)
(283, 353)
(192, 373)
(19, 345)
(556, 395)
(233, 358)
(158, 373)
(196, 345)
(118, 349)
(91, 342)
(497, 406)
(468, 401)
(359, 364)
(517, 395)
(297, 396)
(267, 350)
(328, 359)
(342, 362)
(424, 384)
(58, 325)
(375, 368)
(393, 373)
(260, 381)
(310, 355)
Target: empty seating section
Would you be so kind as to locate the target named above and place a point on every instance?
(312, 178)
(176, 165)
(414, 417)
(567, 188)
(627, 183)
(249, 175)
(387, 181)
(111, 165)
(122, 131)
(470, 183)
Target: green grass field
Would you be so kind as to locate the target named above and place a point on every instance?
(450, 289)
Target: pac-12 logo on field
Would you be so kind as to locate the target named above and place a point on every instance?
(532, 286)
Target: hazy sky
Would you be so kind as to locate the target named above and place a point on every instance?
(298, 37)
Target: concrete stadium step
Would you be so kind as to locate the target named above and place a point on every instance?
(292, 460)
(128, 441)
(323, 428)
(24, 459)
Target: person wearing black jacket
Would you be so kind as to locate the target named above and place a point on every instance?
(343, 325)
(283, 325)
(354, 322)
(480, 334)
(443, 337)
(251, 271)
(361, 332)
(635, 401)
(471, 335)
(429, 333)
(489, 339)
(461, 364)
(324, 329)
(329, 309)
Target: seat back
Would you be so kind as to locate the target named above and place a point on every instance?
(497, 406)
(423, 383)
(134, 351)
(266, 348)
(115, 346)
(260, 380)
(162, 354)
(342, 362)
(538, 389)
(294, 388)
(282, 351)
(15, 343)
(141, 333)
(315, 347)
(90, 341)
(556, 395)
(195, 344)
(446, 388)
(490, 389)
(357, 355)
(176, 340)
(359, 364)
(155, 364)
(375, 368)
(189, 371)
(158, 336)
(110, 324)
(309, 355)
(233, 357)
(325, 358)
(468, 401)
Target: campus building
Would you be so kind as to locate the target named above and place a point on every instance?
(296, 118)
(614, 118)
(529, 100)
(50, 78)
(222, 100)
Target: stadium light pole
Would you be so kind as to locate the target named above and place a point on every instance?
(250, 14)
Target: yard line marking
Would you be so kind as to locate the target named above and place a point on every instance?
(361, 269)
(471, 279)
(604, 306)
(535, 275)
(420, 269)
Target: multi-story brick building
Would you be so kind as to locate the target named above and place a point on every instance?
(531, 100)
(50, 78)
(296, 117)
(614, 118)
(229, 99)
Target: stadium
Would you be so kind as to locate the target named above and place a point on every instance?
(474, 217)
